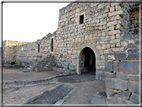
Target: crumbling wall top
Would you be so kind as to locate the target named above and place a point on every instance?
(13, 43)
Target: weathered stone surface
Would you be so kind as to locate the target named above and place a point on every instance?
(116, 84)
(100, 75)
(111, 57)
(108, 66)
(115, 67)
(120, 56)
(133, 87)
(115, 40)
(116, 56)
(122, 76)
(133, 56)
(132, 53)
(72, 67)
(131, 67)
(25, 70)
(115, 100)
(99, 98)
(111, 75)
(135, 98)
(131, 41)
(123, 94)
(124, 43)
(57, 69)
(113, 23)
(58, 103)
(137, 42)
(134, 77)
(109, 92)
(116, 13)
(114, 32)
(65, 65)
(132, 46)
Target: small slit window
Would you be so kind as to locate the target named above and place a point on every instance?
(38, 48)
(22, 49)
(81, 19)
(51, 44)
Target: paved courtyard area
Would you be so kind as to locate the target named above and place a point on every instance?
(48, 87)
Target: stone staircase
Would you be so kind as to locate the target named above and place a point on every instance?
(42, 64)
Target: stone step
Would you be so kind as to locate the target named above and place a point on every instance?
(57, 69)
(99, 98)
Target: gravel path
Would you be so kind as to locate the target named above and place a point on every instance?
(53, 96)
(21, 95)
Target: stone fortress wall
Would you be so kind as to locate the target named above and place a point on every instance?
(110, 30)
(28, 52)
(105, 30)
(9, 50)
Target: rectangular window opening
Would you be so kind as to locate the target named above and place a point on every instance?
(51, 44)
(38, 48)
(81, 19)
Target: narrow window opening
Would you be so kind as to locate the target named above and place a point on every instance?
(81, 19)
(38, 48)
(51, 44)
(12, 63)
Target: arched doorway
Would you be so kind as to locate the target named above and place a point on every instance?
(87, 61)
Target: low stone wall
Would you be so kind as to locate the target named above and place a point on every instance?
(122, 77)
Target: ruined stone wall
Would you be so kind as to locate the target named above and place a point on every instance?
(27, 53)
(9, 50)
(9, 54)
(13, 43)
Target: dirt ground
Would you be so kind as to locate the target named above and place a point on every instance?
(18, 74)
(85, 85)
